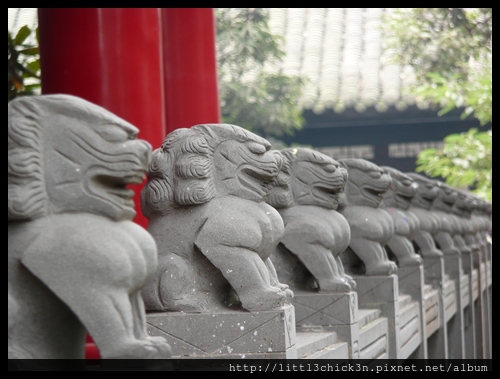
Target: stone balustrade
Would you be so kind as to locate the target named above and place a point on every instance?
(257, 253)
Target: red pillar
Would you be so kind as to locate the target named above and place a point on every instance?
(190, 67)
(111, 57)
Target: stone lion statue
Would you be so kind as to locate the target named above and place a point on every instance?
(429, 224)
(442, 207)
(306, 194)
(77, 262)
(396, 202)
(371, 226)
(205, 201)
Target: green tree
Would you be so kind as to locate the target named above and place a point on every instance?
(24, 63)
(253, 93)
(450, 51)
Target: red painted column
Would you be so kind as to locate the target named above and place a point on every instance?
(190, 67)
(111, 57)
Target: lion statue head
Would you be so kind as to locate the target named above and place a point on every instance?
(80, 161)
(308, 177)
(76, 260)
(401, 191)
(192, 163)
(205, 201)
(427, 191)
(367, 182)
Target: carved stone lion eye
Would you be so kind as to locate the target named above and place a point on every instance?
(330, 168)
(256, 148)
(114, 133)
(406, 182)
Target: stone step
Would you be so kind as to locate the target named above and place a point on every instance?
(450, 299)
(374, 337)
(431, 308)
(408, 312)
(366, 316)
(404, 300)
(464, 290)
(320, 345)
(427, 288)
(339, 350)
(410, 335)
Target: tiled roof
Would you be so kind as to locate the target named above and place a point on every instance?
(21, 16)
(341, 51)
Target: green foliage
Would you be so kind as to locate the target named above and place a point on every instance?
(253, 94)
(24, 64)
(464, 161)
(450, 51)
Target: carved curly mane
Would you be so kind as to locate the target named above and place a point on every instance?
(27, 196)
(181, 171)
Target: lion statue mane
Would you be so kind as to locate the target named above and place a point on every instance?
(371, 226)
(306, 194)
(77, 262)
(205, 201)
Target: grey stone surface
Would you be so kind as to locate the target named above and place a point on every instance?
(434, 266)
(77, 262)
(433, 319)
(412, 282)
(382, 292)
(306, 195)
(371, 226)
(318, 312)
(410, 330)
(206, 203)
(442, 209)
(429, 223)
(229, 335)
(396, 202)
(482, 236)
(321, 345)
(373, 335)
(447, 235)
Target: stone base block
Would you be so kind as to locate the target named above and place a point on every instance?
(431, 305)
(329, 311)
(227, 335)
(382, 292)
(410, 333)
(373, 335)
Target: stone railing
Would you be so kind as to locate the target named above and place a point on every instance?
(249, 253)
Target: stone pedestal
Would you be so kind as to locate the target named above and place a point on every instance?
(481, 308)
(412, 282)
(455, 321)
(437, 335)
(329, 312)
(469, 316)
(381, 292)
(227, 335)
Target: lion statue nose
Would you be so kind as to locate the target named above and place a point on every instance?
(146, 151)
